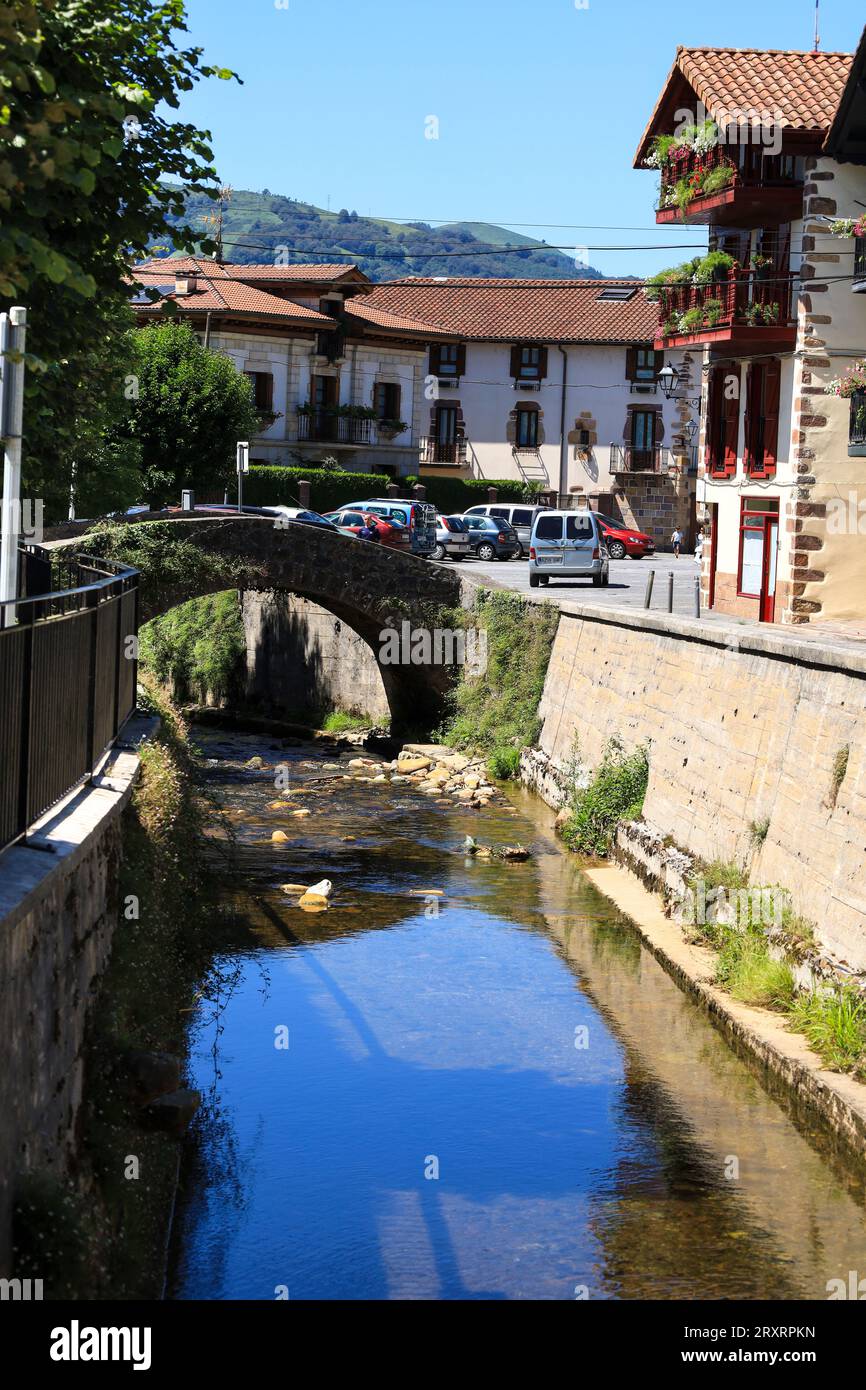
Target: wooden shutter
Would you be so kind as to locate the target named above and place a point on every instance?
(712, 426)
(660, 361)
(749, 417)
(435, 358)
(461, 359)
(542, 363)
(772, 392)
(630, 364)
(515, 360)
(730, 426)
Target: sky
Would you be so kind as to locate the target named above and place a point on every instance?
(537, 105)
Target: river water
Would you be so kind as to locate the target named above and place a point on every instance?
(499, 1094)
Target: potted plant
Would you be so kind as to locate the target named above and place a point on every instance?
(714, 267)
(762, 265)
(713, 312)
(771, 313)
(692, 320)
(390, 428)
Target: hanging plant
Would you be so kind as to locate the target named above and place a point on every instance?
(850, 384)
(849, 226)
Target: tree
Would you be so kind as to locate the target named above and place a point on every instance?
(192, 407)
(85, 150)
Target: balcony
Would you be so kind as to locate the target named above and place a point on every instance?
(747, 308)
(326, 427)
(858, 285)
(629, 458)
(759, 187)
(439, 453)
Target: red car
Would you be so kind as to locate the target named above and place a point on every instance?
(622, 540)
(389, 533)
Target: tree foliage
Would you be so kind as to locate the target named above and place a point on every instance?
(85, 149)
(192, 407)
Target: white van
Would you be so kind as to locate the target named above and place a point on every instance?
(567, 545)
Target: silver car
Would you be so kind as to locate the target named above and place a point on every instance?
(567, 545)
(452, 538)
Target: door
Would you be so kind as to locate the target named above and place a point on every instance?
(549, 542)
(580, 543)
(714, 551)
(643, 435)
(446, 434)
(768, 584)
(323, 399)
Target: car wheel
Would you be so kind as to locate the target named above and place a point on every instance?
(605, 581)
(486, 551)
(596, 579)
(519, 553)
(616, 550)
(439, 552)
(544, 579)
(534, 581)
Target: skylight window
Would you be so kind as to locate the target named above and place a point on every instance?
(618, 293)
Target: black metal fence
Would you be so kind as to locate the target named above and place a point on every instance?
(68, 672)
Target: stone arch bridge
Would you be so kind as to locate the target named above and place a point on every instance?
(364, 585)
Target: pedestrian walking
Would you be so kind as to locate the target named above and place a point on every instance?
(699, 545)
(677, 539)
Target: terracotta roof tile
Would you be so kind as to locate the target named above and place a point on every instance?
(176, 265)
(224, 295)
(361, 307)
(567, 311)
(799, 90)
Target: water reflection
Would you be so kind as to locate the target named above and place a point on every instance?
(417, 1041)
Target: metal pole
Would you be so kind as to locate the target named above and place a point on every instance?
(698, 597)
(648, 596)
(13, 334)
(670, 591)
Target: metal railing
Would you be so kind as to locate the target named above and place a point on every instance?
(750, 167)
(324, 427)
(68, 671)
(857, 419)
(629, 458)
(860, 263)
(437, 451)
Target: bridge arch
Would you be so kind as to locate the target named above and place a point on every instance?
(366, 586)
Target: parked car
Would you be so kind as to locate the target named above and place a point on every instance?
(567, 545)
(519, 514)
(419, 519)
(388, 531)
(622, 540)
(492, 538)
(452, 538)
(279, 513)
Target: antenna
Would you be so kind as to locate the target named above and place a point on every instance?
(817, 22)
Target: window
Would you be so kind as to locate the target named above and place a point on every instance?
(521, 516)
(446, 424)
(763, 382)
(857, 422)
(323, 391)
(263, 389)
(620, 293)
(643, 364)
(579, 527)
(500, 511)
(723, 421)
(549, 528)
(386, 401)
(447, 360)
(528, 363)
(527, 428)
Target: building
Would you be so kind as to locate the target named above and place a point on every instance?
(332, 376)
(554, 382)
(767, 149)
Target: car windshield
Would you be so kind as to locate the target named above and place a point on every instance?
(455, 523)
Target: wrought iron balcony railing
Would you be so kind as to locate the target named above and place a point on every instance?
(325, 427)
(631, 458)
(437, 451)
(744, 297)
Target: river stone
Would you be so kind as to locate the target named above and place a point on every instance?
(411, 764)
(279, 837)
(515, 852)
(152, 1074)
(302, 813)
(255, 764)
(472, 781)
(173, 1112)
(464, 794)
(381, 778)
(398, 777)
(294, 887)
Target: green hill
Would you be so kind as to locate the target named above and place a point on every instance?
(255, 224)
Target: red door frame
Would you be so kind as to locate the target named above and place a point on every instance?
(714, 551)
(768, 600)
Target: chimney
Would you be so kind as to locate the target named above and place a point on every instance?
(186, 284)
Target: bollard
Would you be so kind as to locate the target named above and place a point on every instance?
(697, 597)
(670, 591)
(648, 596)
(304, 488)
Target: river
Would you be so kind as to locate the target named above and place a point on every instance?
(497, 1094)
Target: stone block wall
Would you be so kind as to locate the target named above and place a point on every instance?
(753, 732)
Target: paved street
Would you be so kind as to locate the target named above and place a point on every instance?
(627, 588)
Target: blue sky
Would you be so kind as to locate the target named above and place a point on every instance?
(540, 104)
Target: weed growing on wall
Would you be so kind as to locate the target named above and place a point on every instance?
(198, 649)
(496, 714)
(616, 793)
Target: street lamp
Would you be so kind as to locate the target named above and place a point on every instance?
(668, 380)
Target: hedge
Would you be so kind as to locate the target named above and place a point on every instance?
(266, 485)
